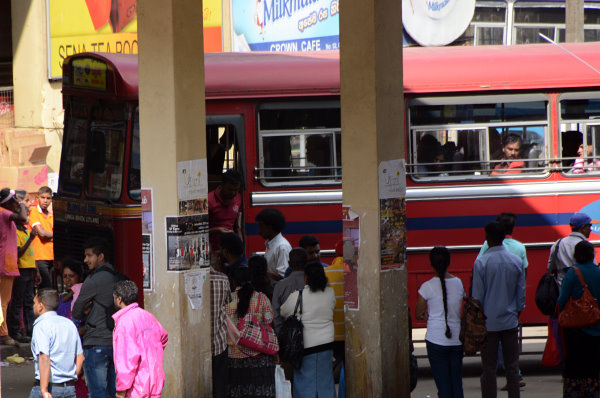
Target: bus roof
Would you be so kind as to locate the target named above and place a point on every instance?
(427, 70)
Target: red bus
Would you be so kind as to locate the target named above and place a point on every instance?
(278, 116)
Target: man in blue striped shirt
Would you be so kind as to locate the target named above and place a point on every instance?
(499, 284)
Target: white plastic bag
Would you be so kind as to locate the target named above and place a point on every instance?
(283, 387)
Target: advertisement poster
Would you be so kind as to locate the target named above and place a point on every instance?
(192, 180)
(187, 242)
(194, 283)
(392, 213)
(285, 25)
(147, 244)
(392, 224)
(77, 26)
(147, 262)
(351, 226)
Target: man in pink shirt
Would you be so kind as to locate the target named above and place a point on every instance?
(11, 211)
(224, 209)
(138, 344)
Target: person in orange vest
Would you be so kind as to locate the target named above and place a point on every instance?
(41, 220)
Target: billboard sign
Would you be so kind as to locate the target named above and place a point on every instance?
(77, 26)
(285, 25)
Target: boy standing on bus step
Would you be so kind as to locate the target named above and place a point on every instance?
(97, 291)
(224, 209)
(41, 220)
(499, 285)
(270, 224)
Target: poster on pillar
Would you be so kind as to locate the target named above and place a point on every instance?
(110, 26)
(351, 244)
(187, 242)
(392, 213)
(147, 244)
(292, 25)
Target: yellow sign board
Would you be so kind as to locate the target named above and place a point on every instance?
(109, 26)
(89, 73)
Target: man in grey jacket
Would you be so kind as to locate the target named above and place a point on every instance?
(97, 293)
(560, 261)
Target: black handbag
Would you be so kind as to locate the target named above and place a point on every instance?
(291, 337)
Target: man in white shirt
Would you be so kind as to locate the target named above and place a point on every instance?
(270, 224)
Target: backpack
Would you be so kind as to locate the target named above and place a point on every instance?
(546, 294)
(291, 338)
(110, 309)
(472, 326)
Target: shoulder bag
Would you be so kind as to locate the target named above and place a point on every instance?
(255, 335)
(582, 312)
(472, 326)
(291, 337)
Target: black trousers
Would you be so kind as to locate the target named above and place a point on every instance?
(22, 298)
(45, 267)
(220, 373)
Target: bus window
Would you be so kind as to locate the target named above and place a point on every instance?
(299, 146)
(105, 182)
(74, 141)
(469, 140)
(580, 136)
(134, 184)
(222, 152)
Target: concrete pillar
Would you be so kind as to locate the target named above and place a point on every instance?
(172, 129)
(574, 21)
(372, 132)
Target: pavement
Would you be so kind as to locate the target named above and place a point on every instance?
(541, 381)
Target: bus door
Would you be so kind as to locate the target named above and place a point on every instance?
(224, 138)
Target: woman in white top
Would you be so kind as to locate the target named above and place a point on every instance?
(439, 303)
(315, 376)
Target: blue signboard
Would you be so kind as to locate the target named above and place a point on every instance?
(285, 25)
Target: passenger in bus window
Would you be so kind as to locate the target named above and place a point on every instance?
(429, 157)
(585, 163)
(318, 152)
(511, 150)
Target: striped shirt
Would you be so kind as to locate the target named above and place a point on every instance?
(220, 296)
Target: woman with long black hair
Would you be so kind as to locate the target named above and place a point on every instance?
(251, 374)
(314, 378)
(439, 303)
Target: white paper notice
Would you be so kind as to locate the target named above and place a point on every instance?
(392, 179)
(192, 179)
(194, 282)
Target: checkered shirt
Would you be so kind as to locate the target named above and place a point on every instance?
(220, 296)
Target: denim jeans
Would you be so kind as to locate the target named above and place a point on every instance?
(489, 359)
(57, 392)
(446, 366)
(315, 376)
(99, 371)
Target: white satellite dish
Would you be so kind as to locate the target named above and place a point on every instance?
(436, 22)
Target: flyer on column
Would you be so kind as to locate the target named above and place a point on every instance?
(147, 244)
(392, 213)
(187, 242)
(194, 282)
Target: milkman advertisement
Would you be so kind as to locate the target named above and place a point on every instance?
(285, 25)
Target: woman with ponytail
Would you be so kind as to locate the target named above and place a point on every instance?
(251, 374)
(439, 303)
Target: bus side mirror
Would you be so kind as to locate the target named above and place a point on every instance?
(97, 153)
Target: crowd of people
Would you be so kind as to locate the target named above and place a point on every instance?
(498, 285)
(90, 339)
